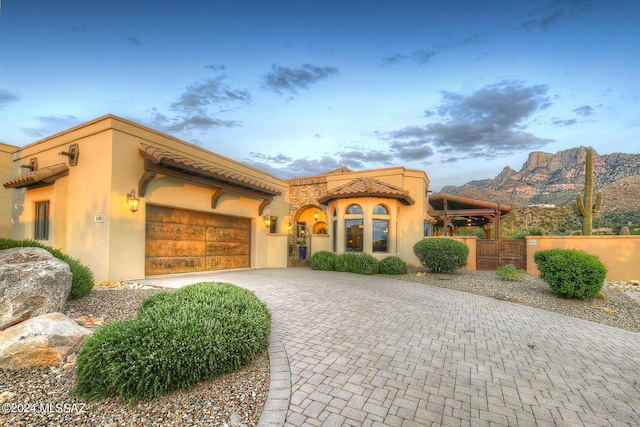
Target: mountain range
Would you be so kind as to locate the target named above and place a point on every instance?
(555, 179)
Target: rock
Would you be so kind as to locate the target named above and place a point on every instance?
(32, 282)
(41, 341)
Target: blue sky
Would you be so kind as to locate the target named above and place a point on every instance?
(457, 88)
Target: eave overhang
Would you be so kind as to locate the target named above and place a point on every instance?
(39, 178)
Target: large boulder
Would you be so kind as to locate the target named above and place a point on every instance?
(32, 282)
(41, 341)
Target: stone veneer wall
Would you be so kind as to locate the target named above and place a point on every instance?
(305, 191)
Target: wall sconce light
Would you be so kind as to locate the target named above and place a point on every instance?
(289, 227)
(267, 220)
(133, 201)
(315, 216)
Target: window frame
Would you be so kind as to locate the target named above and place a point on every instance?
(41, 225)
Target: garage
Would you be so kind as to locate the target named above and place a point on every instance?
(183, 241)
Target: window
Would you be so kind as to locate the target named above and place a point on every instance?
(273, 227)
(354, 224)
(355, 232)
(380, 229)
(354, 210)
(41, 231)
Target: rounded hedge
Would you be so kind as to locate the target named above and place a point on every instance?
(393, 265)
(441, 255)
(571, 273)
(82, 279)
(177, 340)
(323, 260)
(344, 261)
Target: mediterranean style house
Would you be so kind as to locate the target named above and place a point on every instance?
(131, 202)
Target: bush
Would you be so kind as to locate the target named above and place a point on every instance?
(344, 261)
(393, 265)
(177, 340)
(82, 279)
(364, 264)
(571, 273)
(323, 260)
(524, 232)
(441, 255)
(510, 272)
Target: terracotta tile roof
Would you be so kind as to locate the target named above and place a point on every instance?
(195, 167)
(45, 175)
(367, 187)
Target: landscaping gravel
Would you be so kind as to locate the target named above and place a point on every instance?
(238, 399)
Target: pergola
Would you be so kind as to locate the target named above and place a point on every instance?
(452, 212)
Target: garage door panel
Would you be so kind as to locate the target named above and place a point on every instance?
(181, 241)
(173, 248)
(219, 234)
(164, 231)
(175, 216)
(170, 265)
(227, 262)
(226, 248)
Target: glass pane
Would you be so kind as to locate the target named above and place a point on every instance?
(41, 231)
(380, 235)
(354, 209)
(355, 232)
(380, 210)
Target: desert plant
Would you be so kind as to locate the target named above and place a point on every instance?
(343, 262)
(510, 272)
(584, 206)
(82, 279)
(364, 264)
(571, 273)
(528, 231)
(441, 255)
(177, 340)
(323, 260)
(392, 265)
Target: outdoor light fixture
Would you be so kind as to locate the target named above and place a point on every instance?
(133, 201)
(289, 227)
(315, 216)
(267, 220)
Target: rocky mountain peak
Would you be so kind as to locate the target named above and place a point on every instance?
(552, 178)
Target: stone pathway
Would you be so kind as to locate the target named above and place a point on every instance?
(373, 351)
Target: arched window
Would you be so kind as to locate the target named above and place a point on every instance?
(380, 229)
(354, 224)
(354, 209)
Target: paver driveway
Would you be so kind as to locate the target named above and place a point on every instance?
(371, 350)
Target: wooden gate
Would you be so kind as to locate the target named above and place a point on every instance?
(491, 254)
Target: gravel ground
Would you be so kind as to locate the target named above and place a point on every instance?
(237, 399)
(233, 400)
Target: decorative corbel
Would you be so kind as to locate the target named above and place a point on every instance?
(216, 197)
(264, 204)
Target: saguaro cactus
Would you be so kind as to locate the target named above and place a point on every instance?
(584, 206)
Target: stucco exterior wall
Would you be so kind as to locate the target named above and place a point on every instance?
(90, 219)
(620, 254)
(6, 174)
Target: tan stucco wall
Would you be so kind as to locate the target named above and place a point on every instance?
(108, 168)
(620, 254)
(405, 222)
(6, 174)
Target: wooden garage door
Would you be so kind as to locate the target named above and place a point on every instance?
(181, 241)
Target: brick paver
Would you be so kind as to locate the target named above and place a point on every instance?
(371, 350)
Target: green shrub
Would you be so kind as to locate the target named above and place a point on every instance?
(177, 340)
(571, 273)
(510, 272)
(364, 264)
(344, 261)
(441, 255)
(524, 232)
(323, 260)
(393, 265)
(82, 279)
